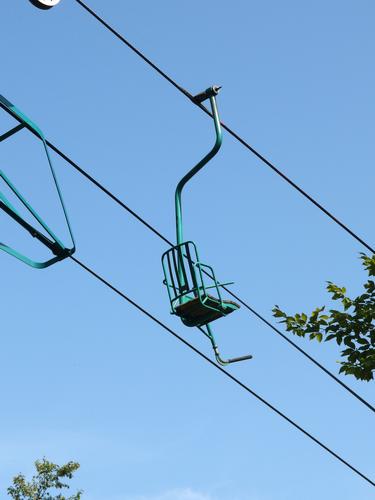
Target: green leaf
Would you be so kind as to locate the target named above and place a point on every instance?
(363, 341)
(330, 337)
(352, 322)
(348, 341)
(277, 312)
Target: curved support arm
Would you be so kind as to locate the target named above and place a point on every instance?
(219, 359)
(208, 94)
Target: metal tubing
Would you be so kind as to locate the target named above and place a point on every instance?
(206, 94)
(53, 246)
(194, 170)
(57, 247)
(219, 359)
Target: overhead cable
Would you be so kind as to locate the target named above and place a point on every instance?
(227, 128)
(124, 206)
(227, 374)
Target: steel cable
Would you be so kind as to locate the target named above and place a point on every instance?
(228, 129)
(166, 240)
(227, 374)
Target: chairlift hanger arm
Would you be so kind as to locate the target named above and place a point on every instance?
(210, 94)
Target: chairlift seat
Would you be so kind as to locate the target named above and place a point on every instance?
(201, 311)
(184, 274)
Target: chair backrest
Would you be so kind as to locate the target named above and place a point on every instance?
(182, 276)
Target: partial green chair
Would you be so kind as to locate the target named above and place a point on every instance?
(52, 241)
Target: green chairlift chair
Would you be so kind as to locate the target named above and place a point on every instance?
(184, 275)
(52, 242)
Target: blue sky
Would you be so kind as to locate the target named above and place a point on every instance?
(83, 375)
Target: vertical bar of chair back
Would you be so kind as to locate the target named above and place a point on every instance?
(175, 269)
(179, 266)
(180, 255)
(196, 287)
(171, 274)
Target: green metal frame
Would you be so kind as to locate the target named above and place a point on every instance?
(175, 259)
(59, 250)
(219, 139)
(182, 248)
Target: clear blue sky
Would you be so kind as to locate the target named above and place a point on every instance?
(86, 377)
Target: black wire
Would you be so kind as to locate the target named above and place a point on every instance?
(105, 190)
(206, 358)
(262, 158)
(144, 311)
(313, 360)
(134, 49)
(228, 129)
(253, 311)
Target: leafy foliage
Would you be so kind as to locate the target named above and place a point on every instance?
(49, 476)
(352, 326)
